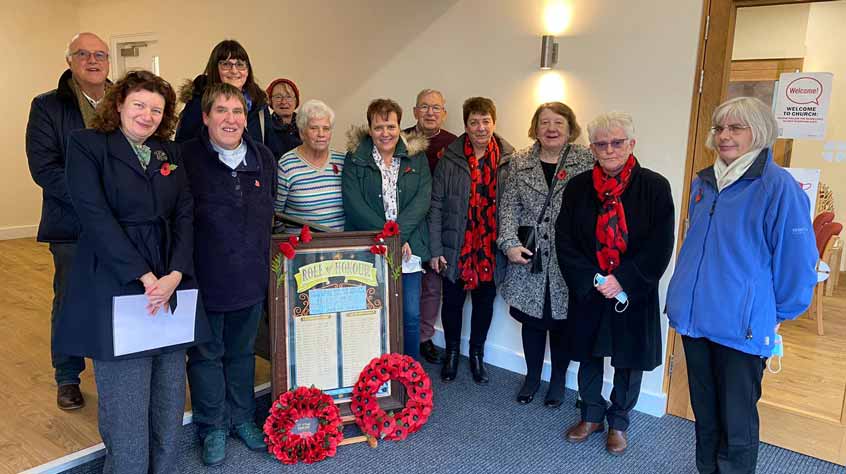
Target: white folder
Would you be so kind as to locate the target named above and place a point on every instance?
(135, 330)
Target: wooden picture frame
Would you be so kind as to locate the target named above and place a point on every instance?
(291, 294)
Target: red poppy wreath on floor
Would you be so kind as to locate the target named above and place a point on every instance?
(373, 420)
(304, 425)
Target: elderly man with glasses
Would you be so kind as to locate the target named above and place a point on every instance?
(430, 112)
(53, 115)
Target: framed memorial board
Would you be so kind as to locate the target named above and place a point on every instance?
(333, 307)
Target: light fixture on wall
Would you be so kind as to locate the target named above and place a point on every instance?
(549, 52)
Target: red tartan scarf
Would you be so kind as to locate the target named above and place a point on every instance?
(476, 260)
(612, 232)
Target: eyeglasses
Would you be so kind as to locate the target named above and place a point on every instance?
(84, 55)
(733, 129)
(229, 65)
(426, 107)
(280, 98)
(615, 144)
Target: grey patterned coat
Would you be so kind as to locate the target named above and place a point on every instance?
(522, 199)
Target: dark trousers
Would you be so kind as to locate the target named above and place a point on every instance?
(725, 385)
(534, 346)
(430, 303)
(623, 397)
(67, 368)
(452, 312)
(139, 412)
(221, 373)
(411, 314)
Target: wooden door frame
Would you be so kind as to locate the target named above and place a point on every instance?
(713, 64)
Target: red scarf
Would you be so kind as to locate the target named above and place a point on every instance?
(612, 232)
(476, 260)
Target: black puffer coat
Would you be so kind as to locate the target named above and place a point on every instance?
(450, 199)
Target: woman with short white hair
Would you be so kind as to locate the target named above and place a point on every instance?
(614, 239)
(308, 183)
(746, 266)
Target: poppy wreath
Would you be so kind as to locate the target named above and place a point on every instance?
(374, 421)
(288, 250)
(292, 406)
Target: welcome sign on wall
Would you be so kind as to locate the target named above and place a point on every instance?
(801, 104)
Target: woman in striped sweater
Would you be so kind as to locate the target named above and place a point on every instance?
(309, 176)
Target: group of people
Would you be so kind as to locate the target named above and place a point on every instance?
(574, 238)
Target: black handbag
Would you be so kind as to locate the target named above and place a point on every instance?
(527, 234)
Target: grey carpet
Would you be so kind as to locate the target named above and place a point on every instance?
(477, 429)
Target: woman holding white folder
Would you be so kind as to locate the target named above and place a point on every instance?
(130, 191)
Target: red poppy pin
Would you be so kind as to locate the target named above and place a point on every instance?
(408, 169)
(167, 168)
(561, 175)
(335, 169)
(698, 196)
(258, 185)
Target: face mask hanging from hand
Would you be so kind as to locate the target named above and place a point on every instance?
(778, 352)
(622, 298)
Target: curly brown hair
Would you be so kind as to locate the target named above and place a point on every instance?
(108, 118)
(561, 109)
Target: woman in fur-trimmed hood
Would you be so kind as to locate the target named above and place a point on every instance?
(229, 63)
(386, 178)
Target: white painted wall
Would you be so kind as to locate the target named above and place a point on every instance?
(33, 36)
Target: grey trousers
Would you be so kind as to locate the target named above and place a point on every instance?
(140, 408)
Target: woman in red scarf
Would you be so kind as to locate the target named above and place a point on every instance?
(614, 239)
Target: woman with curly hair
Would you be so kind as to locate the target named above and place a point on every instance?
(129, 189)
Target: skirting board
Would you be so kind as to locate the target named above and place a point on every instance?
(18, 232)
(651, 403)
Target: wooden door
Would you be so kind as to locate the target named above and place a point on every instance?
(803, 408)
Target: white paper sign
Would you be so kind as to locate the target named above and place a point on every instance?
(809, 180)
(801, 104)
(134, 330)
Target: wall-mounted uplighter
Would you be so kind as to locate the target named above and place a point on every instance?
(549, 52)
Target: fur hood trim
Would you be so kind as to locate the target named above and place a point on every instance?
(186, 90)
(414, 141)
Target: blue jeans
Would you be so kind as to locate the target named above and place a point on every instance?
(67, 368)
(411, 313)
(221, 372)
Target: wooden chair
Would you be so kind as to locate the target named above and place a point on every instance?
(827, 236)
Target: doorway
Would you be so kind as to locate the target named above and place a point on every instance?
(134, 52)
(746, 45)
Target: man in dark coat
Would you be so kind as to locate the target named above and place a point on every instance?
(430, 112)
(53, 115)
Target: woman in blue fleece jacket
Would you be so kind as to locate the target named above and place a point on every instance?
(747, 265)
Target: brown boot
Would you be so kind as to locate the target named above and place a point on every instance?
(68, 397)
(617, 442)
(580, 432)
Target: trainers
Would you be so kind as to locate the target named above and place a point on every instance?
(214, 448)
(251, 435)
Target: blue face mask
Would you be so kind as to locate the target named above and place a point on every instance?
(622, 298)
(778, 352)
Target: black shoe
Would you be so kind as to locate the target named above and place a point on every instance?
(450, 367)
(557, 390)
(528, 390)
(431, 353)
(477, 367)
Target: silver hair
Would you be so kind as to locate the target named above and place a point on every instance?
(314, 109)
(426, 92)
(68, 51)
(748, 111)
(609, 121)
